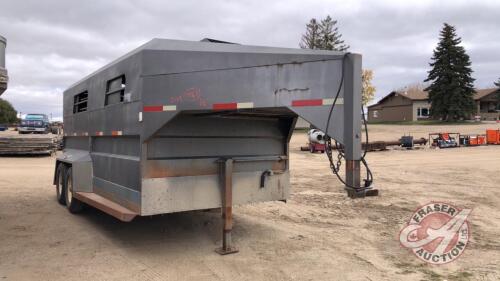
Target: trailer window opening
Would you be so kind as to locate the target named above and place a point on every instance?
(80, 102)
(115, 90)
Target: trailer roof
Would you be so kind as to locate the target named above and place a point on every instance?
(157, 44)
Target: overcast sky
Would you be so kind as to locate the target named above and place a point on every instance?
(52, 44)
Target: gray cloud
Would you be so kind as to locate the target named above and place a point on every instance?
(52, 44)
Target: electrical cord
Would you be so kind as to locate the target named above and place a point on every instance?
(335, 167)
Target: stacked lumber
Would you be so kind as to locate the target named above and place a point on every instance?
(29, 144)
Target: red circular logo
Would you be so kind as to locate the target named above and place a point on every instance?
(437, 232)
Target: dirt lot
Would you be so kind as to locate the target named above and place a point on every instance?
(318, 235)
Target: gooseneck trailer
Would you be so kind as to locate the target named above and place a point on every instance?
(178, 125)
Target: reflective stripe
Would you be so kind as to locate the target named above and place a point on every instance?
(244, 105)
(232, 105)
(153, 108)
(169, 108)
(317, 102)
(330, 101)
(307, 102)
(222, 106)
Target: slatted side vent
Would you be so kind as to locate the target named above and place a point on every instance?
(115, 90)
(80, 102)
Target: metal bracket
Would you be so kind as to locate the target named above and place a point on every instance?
(226, 180)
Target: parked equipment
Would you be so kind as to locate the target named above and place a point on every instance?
(444, 140)
(176, 126)
(4, 78)
(316, 141)
(475, 140)
(472, 140)
(493, 136)
(405, 141)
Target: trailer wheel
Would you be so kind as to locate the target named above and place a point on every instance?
(74, 205)
(60, 173)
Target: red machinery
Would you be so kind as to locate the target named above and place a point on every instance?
(475, 140)
(493, 136)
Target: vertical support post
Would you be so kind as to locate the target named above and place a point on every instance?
(352, 118)
(226, 182)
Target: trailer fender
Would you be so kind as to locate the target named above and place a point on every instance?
(81, 163)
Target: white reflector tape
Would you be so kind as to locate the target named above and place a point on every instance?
(330, 101)
(244, 105)
(169, 107)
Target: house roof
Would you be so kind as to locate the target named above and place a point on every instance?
(417, 94)
(484, 92)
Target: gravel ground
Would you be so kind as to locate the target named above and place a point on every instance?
(319, 234)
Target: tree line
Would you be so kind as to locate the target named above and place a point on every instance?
(450, 82)
(325, 35)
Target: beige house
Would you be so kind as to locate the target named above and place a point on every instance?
(413, 105)
(487, 105)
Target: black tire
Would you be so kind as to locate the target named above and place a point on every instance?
(60, 174)
(311, 149)
(74, 205)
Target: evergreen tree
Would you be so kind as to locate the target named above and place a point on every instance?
(451, 90)
(311, 39)
(330, 36)
(7, 113)
(326, 36)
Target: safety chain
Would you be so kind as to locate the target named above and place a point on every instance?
(335, 167)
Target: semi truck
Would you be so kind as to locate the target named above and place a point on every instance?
(176, 126)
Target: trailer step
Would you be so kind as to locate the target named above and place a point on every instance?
(106, 205)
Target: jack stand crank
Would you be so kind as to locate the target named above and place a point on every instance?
(226, 180)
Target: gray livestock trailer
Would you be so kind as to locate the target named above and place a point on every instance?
(3, 71)
(179, 125)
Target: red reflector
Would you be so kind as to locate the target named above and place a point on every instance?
(219, 106)
(153, 108)
(307, 102)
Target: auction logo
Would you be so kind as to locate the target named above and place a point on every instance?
(437, 233)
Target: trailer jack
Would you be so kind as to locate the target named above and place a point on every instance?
(226, 182)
